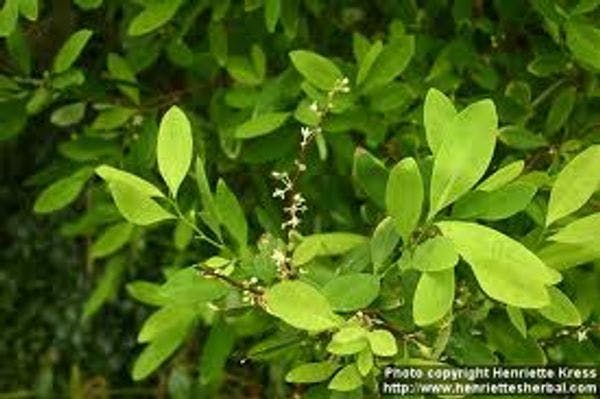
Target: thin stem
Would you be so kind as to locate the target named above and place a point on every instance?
(546, 93)
(206, 271)
(201, 234)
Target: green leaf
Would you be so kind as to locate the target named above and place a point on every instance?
(62, 192)
(111, 175)
(438, 113)
(106, 288)
(209, 213)
(88, 4)
(505, 269)
(272, 12)
(464, 154)
(231, 213)
(404, 196)
(8, 17)
(435, 254)
(112, 118)
(18, 48)
(580, 231)
(217, 38)
(119, 70)
(174, 148)
(382, 343)
(582, 40)
(68, 115)
(215, 352)
(390, 63)
(135, 205)
(347, 379)
(348, 334)
(561, 256)
(502, 176)
(495, 205)
(159, 350)
(242, 70)
(163, 319)
(344, 348)
(261, 125)
(371, 175)
(326, 244)
(316, 69)
(364, 361)
(560, 310)
(155, 15)
(560, 109)
(383, 242)
(300, 305)
(367, 62)
(351, 292)
(188, 287)
(111, 240)
(70, 50)
(433, 296)
(146, 292)
(575, 184)
(310, 373)
(515, 316)
(515, 349)
(29, 9)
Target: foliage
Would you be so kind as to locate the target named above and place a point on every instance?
(317, 187)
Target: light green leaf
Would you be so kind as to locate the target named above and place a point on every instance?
(135, 206)
(231, 213)
(464, 154)
(575, 184)
(106, 288)
(62, 192)
(344, 348)
(502, 176)
(560, 310)
(119, 70)
(347, 379)
(433, 296)
(367, 62)
(242, 70)
(438, 113)
(309, 373)
(112, 118)
(111, 175)
(8, 17)
(435, 254)
(209, 213)
(88, 4)
(390, 63)
(111, 240)
(174, 148)
(349, 334)
(188, 287)
(495, 205)
(68, 115)
(382, 343)
(580, 231)
(300, 305)
(404, 196)
(316, 69)
(159, 350)
(560, 109)
(371, 175)
(163, 319)
(505, 269)
(562, 256)
(70, 50)
(582, 40)
(261, 125)
(326, 244)
(364, 361)
(351, 292)
(516, 318)
(272, 12)
(155, 15)
(147, 292)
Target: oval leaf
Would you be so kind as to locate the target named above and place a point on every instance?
(70, 50)
(316, 69)
(261, 125)
(351, 291)
(437, 253)
(174, 148)
(310, 373)
(438, 113)
(404, 196)
(433, 296)
(560, 310)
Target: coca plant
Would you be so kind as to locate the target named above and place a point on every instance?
(434, 255)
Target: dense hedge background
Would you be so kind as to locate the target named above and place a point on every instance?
(68, 323)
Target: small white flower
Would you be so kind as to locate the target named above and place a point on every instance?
(278, 257)
(314, 107)
(279, 193)
(582, 334)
